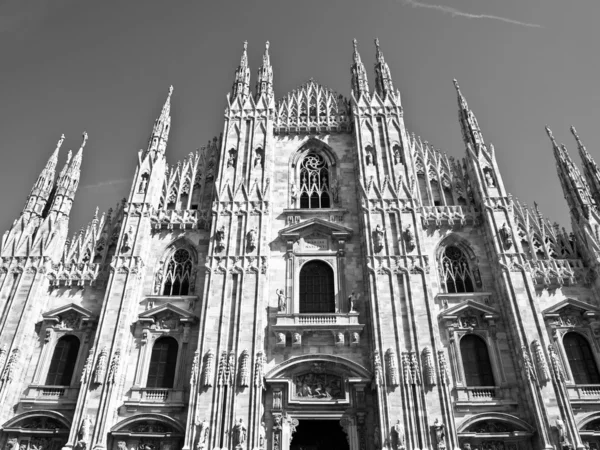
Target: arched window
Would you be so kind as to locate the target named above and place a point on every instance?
(581, 359)
(476, 361)
(314, 182)
(161, 373)
(178, 273)
(316, 288)
(456, 271)
(63, 361)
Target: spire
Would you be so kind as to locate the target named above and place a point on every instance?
(68, 181)
(264, 82)
(468, 121)
(241, 84)
(575, 188)
(360, 84)
(590, 169)
(42, 189)
(160, 131)
(383, 76)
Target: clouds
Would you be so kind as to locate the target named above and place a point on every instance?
(457, 13)
(105, 184)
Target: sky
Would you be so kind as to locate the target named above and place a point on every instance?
(104, 67)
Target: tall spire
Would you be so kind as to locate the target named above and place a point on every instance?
(383, 77)
(68, 181)
(42, 189)
(241, 84)
(264, 82)
(360, 85)
(590, 169)
(468, 122)
(162, 125)
(575, 188)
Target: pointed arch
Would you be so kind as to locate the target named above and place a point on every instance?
(457, 265)
(177, 268)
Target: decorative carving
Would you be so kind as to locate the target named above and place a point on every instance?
(392, 367)
(12, 444)
(506, 236)
(406, 371)
(355, 339)
(194, 372)
(280, 339)
(491, 426)
(440, 434)
(251, 240)
(318, 386)
(220, 238)
(239, 434)
(69, 320)
(43, 423)
(143, 184)
(158, 278)
(9, 369)
(244, 375)
(165, 321)
(231, 158)
(444, 379)
(345, 423)
(84, 433)
(352, 299)
(101, 366)
(377, 368)
(428, 368)
(339, 339)
(203, 429)
(334, 188)
(228, 368)
(114, 367)
(277, 400)
(378, 238)
(262, 436)
(296, 339)
(258, 370)
(207, 374)
(369, 155)
(556, 366)
(562, 435)
(87, 368)
(414, 368)
(281, 303)
(397, 435)
(293, 194)
(127, 237)
(409, 238)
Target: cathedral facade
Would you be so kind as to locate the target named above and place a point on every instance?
(316, 277)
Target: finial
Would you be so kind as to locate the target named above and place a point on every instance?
(579, 143)
(551, 136)
(377, 42)
(267, 45)
(60, 141)
(170, 90)
(96, 213)
(245, 45)
(85, 138)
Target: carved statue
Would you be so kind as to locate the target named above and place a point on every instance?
(143, 184)
(281, 303)
(428, 368)
(440, 434)
(297, 339)
(376, 438)
(397, 436)
(527, 363)
(262, 436)
(281, 338)
(244, 380)
(334, 188)
(251, 239)
(540, 361)
(339, 338)
(489, 180)
(258, 370)
(101, 366)
(392, 367)
(355, 338)
(397, 156)
(202, 434)
(231, 159)
(122, 445)
(562, 434)
(126, 244)
(368, 156)
(506, 236)
(220, 238)
(352, 299)
(158, 277)
(84, 433)
(12, 444)
(257, 159)
(239, 433)
(467, 446)
(409, 237)
(377, 368)
(378, 235)
(207, 374)
(293, 193)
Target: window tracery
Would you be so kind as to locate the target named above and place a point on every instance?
(456, 272)
(178, 273)
(314, 182)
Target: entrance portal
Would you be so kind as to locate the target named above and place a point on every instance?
(319, 435)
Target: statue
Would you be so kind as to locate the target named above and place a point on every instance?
(293, 193)
(355, 338)
(143, 184)
(397, 156)
(376, 439)
(562, 434)
(158, 280)
(489, 180)
(126, 246)
(378, 237)
(280, 339)
(339, 338)
(334, 188)
(352, 298)
(397, 436)
(239, 433)
(297, 339)
(122, 445)
(220, 238)
(202, 434)
(251, 239)
(506, 236)
(440, 434)
(262, 434)
(410, 237)
(368, 155)
(84, 433)
(231, 159)
(281, 303)
(12, 444)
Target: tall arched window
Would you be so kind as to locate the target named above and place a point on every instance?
(316, 288)
(314, 182)
(63, 361)
(581, 359)
(161, 373)
(178, 273)
(476, 361)
(456, 272)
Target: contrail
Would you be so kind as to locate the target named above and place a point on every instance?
(456, 13)
(102, 184)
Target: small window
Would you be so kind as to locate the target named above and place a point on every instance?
(161, 373)
(316, 288)
(62, 364)
(581, 359)
(456, 271)
(178, 273)
(476, 361)
(314, 182)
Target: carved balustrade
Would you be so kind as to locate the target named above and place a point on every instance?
(37, 395)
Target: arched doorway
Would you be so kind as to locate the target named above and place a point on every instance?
(319, 435)
(33, 431)
(147, 432)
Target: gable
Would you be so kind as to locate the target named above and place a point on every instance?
(166, 316)
(68, 316)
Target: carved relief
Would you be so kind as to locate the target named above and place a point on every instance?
(114, 367)
(444, 379)
(239, 434)
(87, 368)
(101, 366)
(220, 238)
(318, 386)
(556, 366)
(406, 372)
(392, 367)
(251, 240)
(69, 320)
(281, 303)
(409, 238)
(428, 368)
(258, 370)
(277, 400)
(165, 321)
(203, 429)
(194, 372)
(439, 430)
(207, 374)
(339, 339)
(244, 372)
(377, 368)
(158, 278)
(397, 435)
(527, 364)
(506, 236)
(378, 238)
(83, 436)
(540, 361)
(414, 368)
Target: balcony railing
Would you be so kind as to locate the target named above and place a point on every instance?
(39, 394)
(584, 392)
(155, 396)
(478, 394)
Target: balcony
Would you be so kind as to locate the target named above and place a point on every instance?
(57, 396)
(584, 393)
(344, 327)
(467, 396)
(150, 397)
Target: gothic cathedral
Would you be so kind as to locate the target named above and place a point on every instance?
(316, 278)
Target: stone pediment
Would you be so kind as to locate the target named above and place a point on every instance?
(166, 316)
(70, 316)
(467, 314)
(570, 312)
(316, 225)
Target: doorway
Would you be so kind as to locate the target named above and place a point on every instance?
(319, 435)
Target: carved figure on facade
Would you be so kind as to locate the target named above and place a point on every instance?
(194, 371)
(414, 368)
(101, 366)
(506, 236)
(258, 159)
(369, 155)
(409, 238)
(207, 373)
(406, 370)
(397, 435)
(488, 179)
(229, 371)
(443, 367)
(127, 237)
(440, 434)
(262, 436)
(281, 339)
(293, 193)
(296, 339)
(9, 369)
(220, 238)
(231, 158)
(355, 338)
(377, 438)
(113, 371)
(277, 400)
(334, 188)
(165, 321)
(69, 321)
(556, 365)
(251, 240)
(397, 155)
(244, 373)
(239, 434)
(12, 444)
(562, 435)
(352, 299)
(377, 368)
(143, 184)
(339, 338)
(281, 303)
(83, 436)
(527, 364)
(318, 386)
(158, 278)
(378, 238)
(392, 367)
(258, 370)
(428, 368)
(203, 429)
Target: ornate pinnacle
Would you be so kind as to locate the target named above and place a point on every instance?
(378, 53)
(85, 138)
(60, 141)
(582, 148)
(551, 136)
(461, 99)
